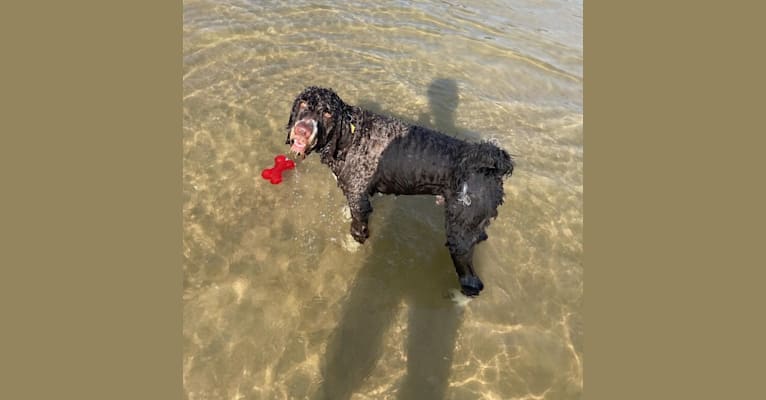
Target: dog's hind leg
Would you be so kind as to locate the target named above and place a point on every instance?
(470, 284)
(461, 240)
(468, 213)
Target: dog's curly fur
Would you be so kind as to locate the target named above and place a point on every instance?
(371, 153)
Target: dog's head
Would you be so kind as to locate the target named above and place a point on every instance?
(315, 120)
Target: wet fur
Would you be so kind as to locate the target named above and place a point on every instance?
(371, 153)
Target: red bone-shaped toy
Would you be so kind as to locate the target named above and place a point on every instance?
(274, 175)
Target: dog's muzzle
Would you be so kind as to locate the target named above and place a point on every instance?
(303, 137)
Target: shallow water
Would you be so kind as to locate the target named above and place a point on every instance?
(279, 302)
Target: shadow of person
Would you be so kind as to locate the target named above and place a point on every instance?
(443, 100)
(442, 103)
(409, 270)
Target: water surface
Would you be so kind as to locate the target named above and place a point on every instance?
(278, 301)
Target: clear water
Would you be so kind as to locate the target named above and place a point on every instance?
(279, 303)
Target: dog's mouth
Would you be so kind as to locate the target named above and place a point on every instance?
(303, 137)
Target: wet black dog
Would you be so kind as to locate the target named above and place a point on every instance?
(371, 153)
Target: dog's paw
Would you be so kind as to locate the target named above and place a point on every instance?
(359, 237)
(471, 285)
(359, 232)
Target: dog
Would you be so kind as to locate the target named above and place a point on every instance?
(370, 153)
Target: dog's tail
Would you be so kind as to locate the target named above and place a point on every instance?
(486, 158)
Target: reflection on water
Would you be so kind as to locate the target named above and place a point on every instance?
(279, 302)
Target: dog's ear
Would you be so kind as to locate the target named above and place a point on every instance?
(342, 133)
(328, 121)
(333, 131)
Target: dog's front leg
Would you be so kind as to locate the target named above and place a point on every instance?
(359, 204)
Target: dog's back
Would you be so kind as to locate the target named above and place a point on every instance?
(424, 161)
(420, 161)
